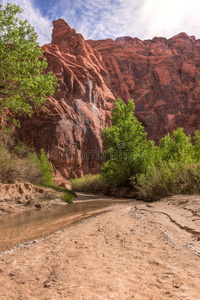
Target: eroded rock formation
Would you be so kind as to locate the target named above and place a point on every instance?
(162, 76)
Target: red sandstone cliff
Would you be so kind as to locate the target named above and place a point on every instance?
(162, 76)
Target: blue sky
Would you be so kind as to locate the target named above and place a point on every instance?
(101, 19)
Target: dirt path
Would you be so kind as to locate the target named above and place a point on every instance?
(133, 252)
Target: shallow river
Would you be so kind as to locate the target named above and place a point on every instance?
(21, 227)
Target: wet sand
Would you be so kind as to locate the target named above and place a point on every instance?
(136, 251)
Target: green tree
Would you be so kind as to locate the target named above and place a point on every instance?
(127, 150)
(24, 84)
(176, 147)
(196, 147)
(43, 165)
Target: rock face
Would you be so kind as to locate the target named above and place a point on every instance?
(69, 129)
(162, 76)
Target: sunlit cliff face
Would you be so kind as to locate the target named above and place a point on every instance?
(161, 75)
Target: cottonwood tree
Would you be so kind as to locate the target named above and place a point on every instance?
(23, 84)
(127, 150)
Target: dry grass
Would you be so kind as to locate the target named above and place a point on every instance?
(13, 168)
(89, 184)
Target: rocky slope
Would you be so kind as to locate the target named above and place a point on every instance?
(163, 76)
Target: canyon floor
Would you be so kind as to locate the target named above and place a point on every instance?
(135, 251)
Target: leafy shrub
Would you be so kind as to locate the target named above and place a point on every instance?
(31, 168)
(89, 183)
(68, 197)
(8, 165)
(174, 178)
(154, 171)
(43, 165)
(176, 147)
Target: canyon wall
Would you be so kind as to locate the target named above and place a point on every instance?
(162, 76)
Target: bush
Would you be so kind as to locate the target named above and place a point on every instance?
(43, 165)
(154, 171)
(176, 147)
(68, 197)
(173, 178)
(8, 165)
(31, 168)
(177, 171)
(89, 184)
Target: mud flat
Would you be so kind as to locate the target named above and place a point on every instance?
(136, 251)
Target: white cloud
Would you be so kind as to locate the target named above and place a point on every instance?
(100, 19)
(138, 18)
(103, 18)
(42, 25)
(170, 17)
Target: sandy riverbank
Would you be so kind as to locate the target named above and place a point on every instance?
(133, 252)
(25, 196)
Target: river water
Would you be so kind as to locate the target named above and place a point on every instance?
(21, 227)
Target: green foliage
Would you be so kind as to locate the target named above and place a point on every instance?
(19, 163)
(8, 166)
(153, 171)
(127, 149)
(68, 197)
(89, 184)
(196, 147)
(177, 147)
(43, 165)
(23, 86)
(14, 169)
(170, 178)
